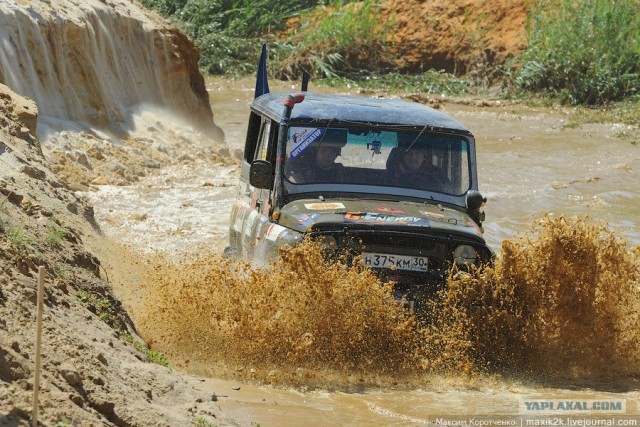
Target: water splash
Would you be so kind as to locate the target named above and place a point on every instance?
(560, 303)
(288, 323)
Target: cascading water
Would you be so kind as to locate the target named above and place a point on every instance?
(94, 63)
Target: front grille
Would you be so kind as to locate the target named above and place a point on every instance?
(352, 242)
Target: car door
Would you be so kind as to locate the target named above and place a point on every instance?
(259, 202)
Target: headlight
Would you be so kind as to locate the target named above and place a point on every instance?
(465, 255)
(328, 241)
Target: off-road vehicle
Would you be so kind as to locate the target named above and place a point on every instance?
(388, 182)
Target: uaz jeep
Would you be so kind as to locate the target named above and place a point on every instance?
(391, 182)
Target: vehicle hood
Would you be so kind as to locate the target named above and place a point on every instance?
(302, 215)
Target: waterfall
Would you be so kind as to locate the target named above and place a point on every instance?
(90, 62)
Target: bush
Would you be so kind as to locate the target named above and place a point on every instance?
(337, 40)
(332, 35)
(583, 51)
(229, 32)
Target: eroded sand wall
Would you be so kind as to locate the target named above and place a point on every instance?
(92, 61)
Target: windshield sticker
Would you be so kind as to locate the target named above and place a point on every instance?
(375, 217)
(323, 206)
(301, 138)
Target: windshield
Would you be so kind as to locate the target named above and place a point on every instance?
(392, 158)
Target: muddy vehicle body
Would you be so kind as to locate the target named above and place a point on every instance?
(390, 183)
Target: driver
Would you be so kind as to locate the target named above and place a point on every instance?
(326, 169)
(318, 164)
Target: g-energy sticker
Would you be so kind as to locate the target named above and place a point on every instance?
(301, 138)
(375, 217)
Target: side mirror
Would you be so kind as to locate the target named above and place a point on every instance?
(474, 203)
(474, 200)
(261, 174)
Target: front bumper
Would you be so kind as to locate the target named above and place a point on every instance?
(348, 243)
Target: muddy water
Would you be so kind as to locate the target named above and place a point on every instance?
(533, 161)
(530, 162)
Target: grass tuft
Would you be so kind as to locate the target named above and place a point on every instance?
(337, 40)
(55, 234)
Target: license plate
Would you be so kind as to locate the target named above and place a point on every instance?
(395, 262)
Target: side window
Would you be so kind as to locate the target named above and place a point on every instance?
(262, 149)
(267, 141)
(274, 128)
(253, 132)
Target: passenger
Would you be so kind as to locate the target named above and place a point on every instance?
(405, 167)
(411, 169)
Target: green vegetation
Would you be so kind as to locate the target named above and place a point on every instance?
(63, 421)
(626, 111)
(584, 52)
(157, 358)
(18, 236)
(100, 305)
(55, 233)
(579, 52)
(348, 37)
(229, 32)
(202, 422)
(152, 355)
(25, 242)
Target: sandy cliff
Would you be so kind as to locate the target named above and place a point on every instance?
(456, 36)
(92, 373)
(81, 73)
(94, 61)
